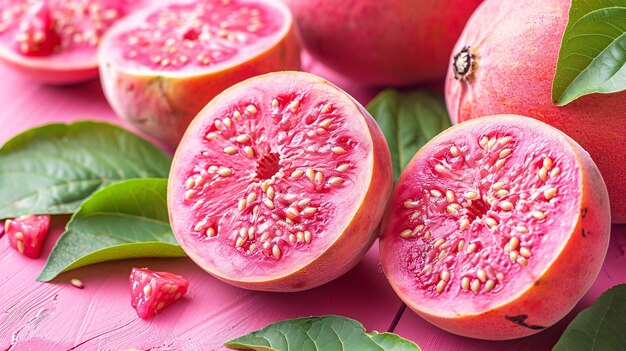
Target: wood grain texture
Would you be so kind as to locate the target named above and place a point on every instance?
(58, 316)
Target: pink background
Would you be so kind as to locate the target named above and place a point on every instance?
(58, 316)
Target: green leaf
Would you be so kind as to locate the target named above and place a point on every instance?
(52, 169)
(593, 51)
(128, 219)
(320, 333)
(599, 327)
(408, 120)
(392, 342)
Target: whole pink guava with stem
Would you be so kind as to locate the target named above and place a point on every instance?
(55, 41)
(279, 183)
(505, 63)
(496, 228)
(391, 42)
(160, 66)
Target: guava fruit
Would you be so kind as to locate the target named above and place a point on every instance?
(26, 234)
(55, 41)
(279, 183)
(505, 62)
(161, 65)
(391, 42)
(496, 228)
(152, 292)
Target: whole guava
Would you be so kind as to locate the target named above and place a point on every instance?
(391, 42)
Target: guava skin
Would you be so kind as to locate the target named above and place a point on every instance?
(560, 285)
(375, 42)
(515, 46)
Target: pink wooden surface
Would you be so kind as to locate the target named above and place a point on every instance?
(57, 316)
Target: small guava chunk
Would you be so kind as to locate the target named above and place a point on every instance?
(27, 233)
(152, 292)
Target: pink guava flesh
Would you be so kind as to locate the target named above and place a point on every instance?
(160, 66)
(26, 234)
(36, 35)
(514, 47)
(279, 183)
(152, 292)
(56, 41)
(494, 219)
(213, 33)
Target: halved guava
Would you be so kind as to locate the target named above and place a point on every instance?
(279, 183)
(160, 66)
(55, 41)
(496, 228)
